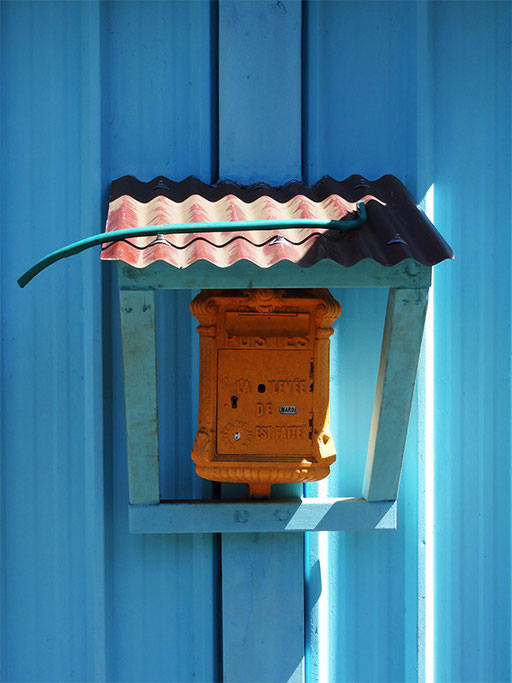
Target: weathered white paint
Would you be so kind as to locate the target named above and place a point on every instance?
(243, 516)
(244, 274)
(401, 343)
(140, 394)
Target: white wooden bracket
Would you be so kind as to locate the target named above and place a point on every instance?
(408, 284)
(242, 516)
(140, 394)
(401, 343)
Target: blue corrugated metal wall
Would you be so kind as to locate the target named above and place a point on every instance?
(472, 142)
(91, 91)
(361, 113)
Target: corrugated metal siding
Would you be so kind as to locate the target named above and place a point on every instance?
(156, 116)
(430, 99)
(88, 89)
(92, 91)
(360, 85)
(51, 348)
(472, 342)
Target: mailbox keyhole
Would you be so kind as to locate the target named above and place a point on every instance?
(261, 388)
(234, 401)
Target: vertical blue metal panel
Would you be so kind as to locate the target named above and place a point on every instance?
(472, 200)
(259, 71)
(51, 351)
(157, 120)
(260, 135)
(361, 109)
(91, 91)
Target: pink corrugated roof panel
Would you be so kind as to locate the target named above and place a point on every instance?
(395, 228)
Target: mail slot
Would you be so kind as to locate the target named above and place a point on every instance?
(264, 386)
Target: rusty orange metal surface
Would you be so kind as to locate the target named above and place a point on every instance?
(264, 386)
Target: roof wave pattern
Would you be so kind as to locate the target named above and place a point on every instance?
(395, 228)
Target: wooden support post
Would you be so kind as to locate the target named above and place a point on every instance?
(139, 360)
(403, 332)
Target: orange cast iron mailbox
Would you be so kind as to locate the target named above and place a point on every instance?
(264, 386)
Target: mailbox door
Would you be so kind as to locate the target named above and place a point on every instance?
(265, 402)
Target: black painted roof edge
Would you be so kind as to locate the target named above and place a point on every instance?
(179, 190)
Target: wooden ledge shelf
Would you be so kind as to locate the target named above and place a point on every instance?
(235, 516)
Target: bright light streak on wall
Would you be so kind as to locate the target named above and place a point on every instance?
(429, 468)
(323, 601)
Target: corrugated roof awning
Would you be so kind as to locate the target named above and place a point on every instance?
(181, 223)
(394, 229)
